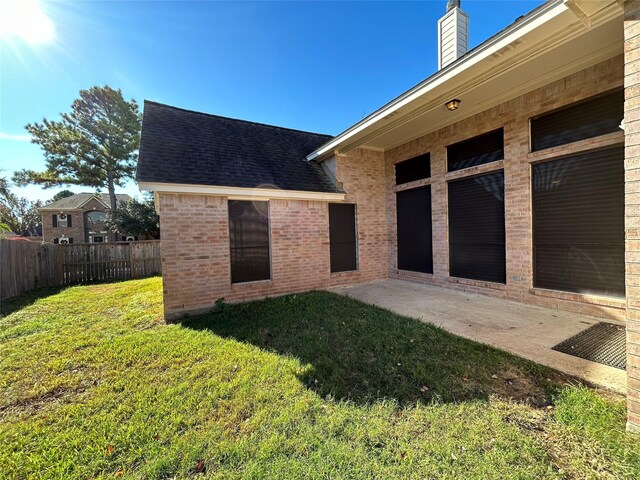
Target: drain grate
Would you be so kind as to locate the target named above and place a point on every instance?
(603, 343)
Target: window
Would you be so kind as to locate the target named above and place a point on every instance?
(97, 239)
(413, 212)
(342, 237)
(61, 220)
(95, 218)
(593, 117)
(578, 223)
(249, 241)
(476, 228)
(486, 148)
(413, 169)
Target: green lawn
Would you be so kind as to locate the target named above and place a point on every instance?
(94, 385)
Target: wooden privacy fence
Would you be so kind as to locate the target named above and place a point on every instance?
(28, 265)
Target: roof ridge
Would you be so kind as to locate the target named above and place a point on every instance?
(237, 119)
(96, 193)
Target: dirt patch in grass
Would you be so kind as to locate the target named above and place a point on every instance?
(520, 386)
(31, 405)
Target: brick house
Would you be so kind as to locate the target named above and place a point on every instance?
(78, 218)
(509, 172)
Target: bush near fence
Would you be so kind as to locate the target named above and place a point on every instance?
(28, 265)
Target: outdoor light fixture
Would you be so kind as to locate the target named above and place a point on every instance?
(453, 104)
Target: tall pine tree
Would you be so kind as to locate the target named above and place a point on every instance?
(94, 145)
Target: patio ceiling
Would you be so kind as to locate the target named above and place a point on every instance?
(549, 44)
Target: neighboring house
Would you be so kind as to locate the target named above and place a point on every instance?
(504, 173)
(79, 219)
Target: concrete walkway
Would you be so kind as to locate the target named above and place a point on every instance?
(524, 330)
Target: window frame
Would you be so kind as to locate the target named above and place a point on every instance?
(269, 239)
(91, 223)
(423, 157)
(532, 150)
(397, 216)
(469, 140)
(65, 220)
(504, 206)
(355, 242)
(564, 154)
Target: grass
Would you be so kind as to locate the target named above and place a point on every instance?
(94, 385)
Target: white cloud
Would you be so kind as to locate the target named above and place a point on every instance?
(16, 137)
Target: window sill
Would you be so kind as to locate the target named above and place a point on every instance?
(410, 185)
(477, 283)
(411, 273)
(477, 170)
(253, 282)
(602, 301)
(601, 141)
(342, 274)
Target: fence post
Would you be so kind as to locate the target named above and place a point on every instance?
(60, 257)
(130, 259)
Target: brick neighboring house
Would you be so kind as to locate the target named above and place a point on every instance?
(509, 172)
(78, 218)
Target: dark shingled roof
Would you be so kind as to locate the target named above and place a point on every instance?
(182, 146)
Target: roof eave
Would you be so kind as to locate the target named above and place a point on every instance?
(58, 209)
(240, 193)
(535, 19)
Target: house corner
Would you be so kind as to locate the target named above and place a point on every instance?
(632, 199)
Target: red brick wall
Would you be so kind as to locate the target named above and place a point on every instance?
(195, 242)
(76, 231)
(362, 175)
(514, 117)
(632, 200)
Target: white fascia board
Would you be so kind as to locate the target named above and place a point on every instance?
(239, 193)
(534, 20)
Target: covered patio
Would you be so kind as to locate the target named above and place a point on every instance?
(525, 330)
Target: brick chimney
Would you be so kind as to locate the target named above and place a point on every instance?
(453, 34)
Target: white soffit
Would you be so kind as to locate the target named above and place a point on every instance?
(548, 44)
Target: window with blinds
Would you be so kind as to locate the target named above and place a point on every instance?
(476, 228)
(413, 211)
(578, 223)
(475, 151)
(249, 241)
(342, 237)
(416, 168)
(590, 118)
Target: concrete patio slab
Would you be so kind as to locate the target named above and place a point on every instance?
(524, 330)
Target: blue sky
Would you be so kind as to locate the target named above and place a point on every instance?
(317, 66)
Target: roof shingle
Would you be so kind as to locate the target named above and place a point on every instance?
(187, 147)
(76, 201)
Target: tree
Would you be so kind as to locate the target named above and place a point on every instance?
(62, 194)
(17, 214)
(136, 218)
(94, 145)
